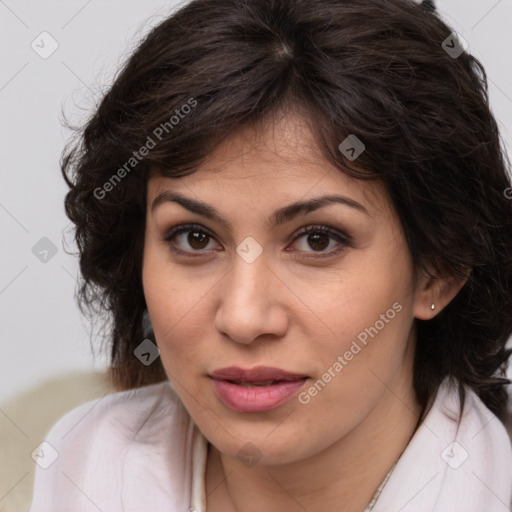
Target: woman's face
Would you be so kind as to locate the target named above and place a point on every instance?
(253, 290)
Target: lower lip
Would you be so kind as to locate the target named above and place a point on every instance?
(256, 399)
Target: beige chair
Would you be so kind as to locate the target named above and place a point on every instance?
(24, 423)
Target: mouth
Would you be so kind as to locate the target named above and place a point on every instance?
(257, 376)
(255, 390)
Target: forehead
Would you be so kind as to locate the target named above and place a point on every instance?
(271, 163)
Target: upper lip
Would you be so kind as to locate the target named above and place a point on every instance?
(256, 374)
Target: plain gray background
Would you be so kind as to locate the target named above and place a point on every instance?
(42, 334)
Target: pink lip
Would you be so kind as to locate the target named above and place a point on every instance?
(255, 399)
(256, 374)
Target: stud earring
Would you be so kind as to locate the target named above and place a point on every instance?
(433, 306)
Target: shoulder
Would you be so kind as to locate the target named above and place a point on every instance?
(476, 419)
(125, 414)
(476, 450)
(455, 461)
(86, 453)
(477, 431)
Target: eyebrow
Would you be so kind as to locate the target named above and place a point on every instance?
(280, 216)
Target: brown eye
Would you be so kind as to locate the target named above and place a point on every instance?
(197, 239)
(318, 241)
(318, 238)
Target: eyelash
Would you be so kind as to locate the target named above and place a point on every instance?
(343, 240)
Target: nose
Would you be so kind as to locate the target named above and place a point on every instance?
(251, 302)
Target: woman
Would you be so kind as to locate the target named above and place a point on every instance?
(294, 213)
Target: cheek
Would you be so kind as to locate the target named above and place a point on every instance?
(354, 299)
(171, 316)
(168, 294)
(367, 353)
(177, 308)
(368, 312)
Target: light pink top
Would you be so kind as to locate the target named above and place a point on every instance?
(139, 451)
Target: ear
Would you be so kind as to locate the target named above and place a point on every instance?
(438, 292)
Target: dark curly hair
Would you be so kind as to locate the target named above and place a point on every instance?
(380, 70)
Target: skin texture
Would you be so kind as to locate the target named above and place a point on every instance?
(291, 310)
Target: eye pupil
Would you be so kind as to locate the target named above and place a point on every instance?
(193, 239)
(314, 238)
